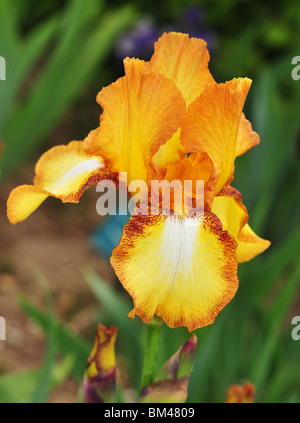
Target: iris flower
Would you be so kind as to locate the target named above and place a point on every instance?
(165, 119)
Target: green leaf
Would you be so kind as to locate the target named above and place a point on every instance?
(67, 343)
(19, 387)
(84, 45)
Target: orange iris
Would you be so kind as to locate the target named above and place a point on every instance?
(165, 119)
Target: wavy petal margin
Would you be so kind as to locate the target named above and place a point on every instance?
(212, 124)
(229, 208)
(177, 268)
(141, 112)
(184, 60)
(63, 172)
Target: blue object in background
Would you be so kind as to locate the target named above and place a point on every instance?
(106, 236)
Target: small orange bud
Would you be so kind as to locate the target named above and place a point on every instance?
(241, 394)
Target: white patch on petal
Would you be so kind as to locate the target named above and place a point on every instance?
(178, 236)
(88, 166)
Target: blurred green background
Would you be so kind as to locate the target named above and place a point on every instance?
(58, 55)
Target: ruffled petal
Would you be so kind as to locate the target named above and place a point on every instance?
(141, 111)
(246, 138)
(212, 125)
(184, 60)
(181, 269)
(233, 215)
(64, 172)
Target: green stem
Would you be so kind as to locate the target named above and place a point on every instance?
(153, 331)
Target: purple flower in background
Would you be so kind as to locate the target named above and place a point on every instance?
(194, 15)
(138, 42)
(193, 23)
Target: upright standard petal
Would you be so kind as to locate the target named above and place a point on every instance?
(246, 138)
(184, 60)
(64, 172)
(176, 268)
(212, 125)
(233, 215)
(169, 152)
(141, 111)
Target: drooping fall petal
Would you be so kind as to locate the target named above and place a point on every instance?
(99, 382)
(233, 214)
(182, 269)
(64, 172)
(250, 245)
(141, 111)
(212, 124)
(171, 382)
(184, 60)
